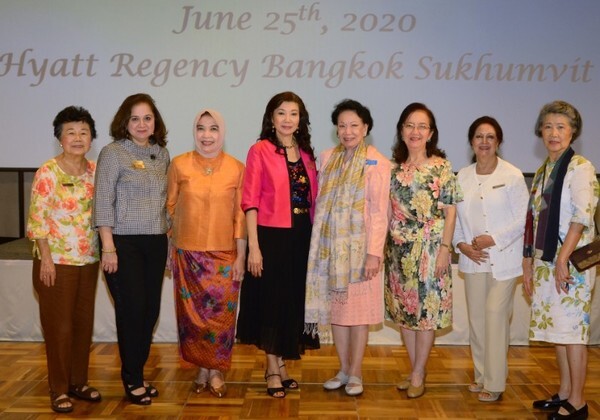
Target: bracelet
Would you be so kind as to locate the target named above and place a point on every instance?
(446, 245)
(109, 251)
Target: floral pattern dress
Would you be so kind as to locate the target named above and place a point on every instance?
(565, 318)
(414, 297)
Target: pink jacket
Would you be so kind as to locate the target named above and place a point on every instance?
(267, 185)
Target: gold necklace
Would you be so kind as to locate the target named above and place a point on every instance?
(291, 146)
(210, 165)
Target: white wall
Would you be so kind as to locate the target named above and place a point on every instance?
(62, 52)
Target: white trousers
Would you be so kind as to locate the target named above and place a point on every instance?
(490, 306)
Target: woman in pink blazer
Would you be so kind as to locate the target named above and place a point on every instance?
(279, 192)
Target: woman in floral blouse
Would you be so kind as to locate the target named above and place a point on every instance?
(65, 263)
(423, 195)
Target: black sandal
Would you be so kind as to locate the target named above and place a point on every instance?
(84, 392)
(152, 391)
(289, 383)
(141, 399)
(273, 391)
(57, 400)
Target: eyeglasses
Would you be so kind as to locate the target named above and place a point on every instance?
(420, 127)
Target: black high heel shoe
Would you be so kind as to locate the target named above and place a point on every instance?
(151, 390)
(278, 392)
(289, 383)
(138, 399)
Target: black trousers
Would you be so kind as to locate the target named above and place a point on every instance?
(136, 291)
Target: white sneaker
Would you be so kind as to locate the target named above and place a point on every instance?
(354, 386)
(336, 382)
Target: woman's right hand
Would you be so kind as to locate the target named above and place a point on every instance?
(528, 276)
(110, 262)
(475, 255)
(47, 271)
(255, 261)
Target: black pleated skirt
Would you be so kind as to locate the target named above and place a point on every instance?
(272, 306)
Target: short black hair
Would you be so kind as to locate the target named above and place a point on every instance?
(351, 105)
(73, 114)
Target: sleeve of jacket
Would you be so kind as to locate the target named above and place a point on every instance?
(505, 234)
(459, 234)
(377, 202)
(251, 191)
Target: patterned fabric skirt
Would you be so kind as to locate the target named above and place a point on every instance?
(414, 297)
(564, 318)
(206, 304)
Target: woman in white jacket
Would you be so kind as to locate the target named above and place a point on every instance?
(489, 240)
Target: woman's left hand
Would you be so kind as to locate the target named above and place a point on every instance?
(442, 262)
(372, 266)
(237, 270)
(562, 277)
(482, 242)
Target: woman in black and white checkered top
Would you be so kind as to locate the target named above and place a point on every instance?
(130, 213)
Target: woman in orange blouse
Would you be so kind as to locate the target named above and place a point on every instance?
(208, 250)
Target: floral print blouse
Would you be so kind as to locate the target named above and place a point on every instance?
(61, 212)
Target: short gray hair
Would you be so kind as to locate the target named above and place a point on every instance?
(562, 108)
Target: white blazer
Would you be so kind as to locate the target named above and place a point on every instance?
(505, 198)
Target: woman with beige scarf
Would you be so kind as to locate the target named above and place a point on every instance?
(344, 286)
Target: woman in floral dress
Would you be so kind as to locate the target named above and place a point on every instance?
(423, 194)
(209, 250)
(560, 218)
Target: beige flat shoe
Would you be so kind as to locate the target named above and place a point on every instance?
(489, 396)
(354, 386)
(403, 386)
(339, 380)
(415, 391)
(200, 384)
(217, 391)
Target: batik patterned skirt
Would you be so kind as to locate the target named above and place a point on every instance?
(206, 304)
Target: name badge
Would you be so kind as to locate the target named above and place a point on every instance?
(499, 186)
(371, 162)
